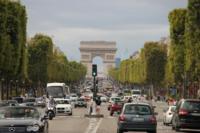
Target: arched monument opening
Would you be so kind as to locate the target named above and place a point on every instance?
(103, 49)
(99, 61)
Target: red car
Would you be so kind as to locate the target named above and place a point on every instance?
(112, 100)
(116, 107)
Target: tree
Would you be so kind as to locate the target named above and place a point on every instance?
(192, 40)
(155, 58)
(177, 45)
(40, 50)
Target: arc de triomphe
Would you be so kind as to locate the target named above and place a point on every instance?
(104, 49)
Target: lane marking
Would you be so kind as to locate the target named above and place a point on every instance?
(97, 126)
(93, 126)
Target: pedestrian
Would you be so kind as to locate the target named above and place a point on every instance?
(98, 103)
(90, 107)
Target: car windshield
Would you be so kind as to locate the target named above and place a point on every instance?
(55, 91)
(29, 100)
(116, 99)
(137, 109)
(67, 97)
(173, 108)
(62, 102)
(81, 100)
(18, 112)
(136, 92)
(192, 105)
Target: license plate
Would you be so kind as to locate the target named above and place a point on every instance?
(138, 119)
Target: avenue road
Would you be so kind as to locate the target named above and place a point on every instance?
(77, 123)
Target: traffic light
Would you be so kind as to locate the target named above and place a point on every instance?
(94, 70)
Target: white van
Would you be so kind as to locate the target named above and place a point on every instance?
(136, 93)
(57, 90)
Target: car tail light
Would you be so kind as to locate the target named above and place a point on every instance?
(153, 119)
(183, 112)
(114, 105)
(121, 117)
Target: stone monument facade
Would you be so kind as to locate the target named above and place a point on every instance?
(104, 49)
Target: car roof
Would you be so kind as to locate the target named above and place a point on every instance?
(138, 103)
(198, 100)
(20, 107)
(114, 97)
(57, 99)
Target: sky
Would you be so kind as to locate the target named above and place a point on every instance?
(128, 22)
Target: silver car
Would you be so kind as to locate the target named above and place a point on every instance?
(168, 114)
(137, 117)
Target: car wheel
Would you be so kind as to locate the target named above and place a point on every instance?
(177, 129)
(176, 125)
(119, 131)
(70, 114)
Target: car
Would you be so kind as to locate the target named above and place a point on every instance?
(112, 99)
(126, 98)
(186, 114)
(73, 97)
(22, 119)
(80, 103)
(137, 117)
(8, 103)
(168, 114)
(136, 93)
(116, 106)
(18, 99)
(63, 106)
(104, 99)
(31, 101)
(40, 102)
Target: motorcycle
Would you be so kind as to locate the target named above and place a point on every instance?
(51, 112)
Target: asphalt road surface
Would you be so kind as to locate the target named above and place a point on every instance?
(77, 123)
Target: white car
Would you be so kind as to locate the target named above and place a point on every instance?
(63, 106)
(168, 114)
(73, 97)
(104, 99)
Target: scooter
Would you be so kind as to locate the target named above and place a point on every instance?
(51, 112)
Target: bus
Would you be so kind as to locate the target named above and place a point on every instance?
(57, 90)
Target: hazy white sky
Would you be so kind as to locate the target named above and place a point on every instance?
(128, 22)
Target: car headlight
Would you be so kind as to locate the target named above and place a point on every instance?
(33, 128)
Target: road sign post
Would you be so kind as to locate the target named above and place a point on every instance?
(94, 74)
(93, 105)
